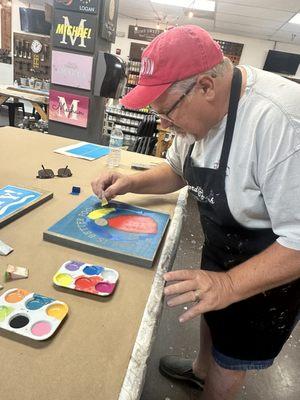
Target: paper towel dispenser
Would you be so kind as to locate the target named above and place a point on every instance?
(110, 76)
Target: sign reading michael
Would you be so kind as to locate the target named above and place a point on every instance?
(68, 108)
(74, 31)
(85, 6)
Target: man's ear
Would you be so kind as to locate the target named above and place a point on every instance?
(206, 85)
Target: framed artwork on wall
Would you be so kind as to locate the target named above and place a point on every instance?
(74, 31)
(68, 108)
(109, 19)
(84, 6)
(74, 70)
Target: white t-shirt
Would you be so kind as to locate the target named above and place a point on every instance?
(263, 175)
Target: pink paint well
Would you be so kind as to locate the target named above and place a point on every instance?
(105, 287)
(41, 328)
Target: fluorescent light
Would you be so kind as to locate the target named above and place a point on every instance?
(206, 5)
(295, 19)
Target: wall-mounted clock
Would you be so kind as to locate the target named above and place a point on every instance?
(36, 46)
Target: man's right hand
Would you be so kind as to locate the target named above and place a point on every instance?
(111, 184)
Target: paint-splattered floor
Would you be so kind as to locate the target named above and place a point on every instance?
(280, 382)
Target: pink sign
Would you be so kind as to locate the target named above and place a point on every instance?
(69, 108)
(73, 70)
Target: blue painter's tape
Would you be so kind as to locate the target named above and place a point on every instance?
(75, 190)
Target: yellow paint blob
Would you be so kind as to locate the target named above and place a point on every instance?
(57, 311)
(63, 279)
(101, 212)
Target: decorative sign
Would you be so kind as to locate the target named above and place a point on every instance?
(16, 201)
(109, 19)
(136, 50)
(85, 6)
(74, 31)
(70, 69)
(69, 108)
(143, 33)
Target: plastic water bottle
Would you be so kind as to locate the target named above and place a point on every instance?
(115, 144)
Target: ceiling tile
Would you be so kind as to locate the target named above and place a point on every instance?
(286, 37)
(284, 5)
(244, 28)
(207, 24)
(268, 23)
(293, 28)
(255, 12)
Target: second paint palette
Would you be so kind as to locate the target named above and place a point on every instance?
(30, 314)
(87, 278)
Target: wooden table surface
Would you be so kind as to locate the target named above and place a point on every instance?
(89, 355)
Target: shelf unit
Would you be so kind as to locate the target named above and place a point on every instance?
(29, 64)
(133, 71)
(127, 120)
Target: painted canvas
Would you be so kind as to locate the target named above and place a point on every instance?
(74, 70)
(69, 108)
(74, 31)
(118, 231)
(16, 201)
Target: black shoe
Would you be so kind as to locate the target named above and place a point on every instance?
(180, 368)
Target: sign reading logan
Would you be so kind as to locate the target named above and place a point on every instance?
(69, 108)
(85, 6)
(74, 31)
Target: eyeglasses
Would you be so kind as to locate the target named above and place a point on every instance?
(48, 173)
(176, 104)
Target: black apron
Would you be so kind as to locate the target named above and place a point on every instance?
(255, 328)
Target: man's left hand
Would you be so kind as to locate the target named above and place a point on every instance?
(208, 290)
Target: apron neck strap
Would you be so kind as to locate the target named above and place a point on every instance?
(235, 94)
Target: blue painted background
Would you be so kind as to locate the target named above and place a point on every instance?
(78, 226)
(13, 198)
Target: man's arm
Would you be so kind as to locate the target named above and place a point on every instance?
(159, 180)
(273, 267)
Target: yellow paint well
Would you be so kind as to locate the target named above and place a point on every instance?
(57, 311)
(63, 279)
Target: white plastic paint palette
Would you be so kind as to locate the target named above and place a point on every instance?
(87, 278)
(30, 314)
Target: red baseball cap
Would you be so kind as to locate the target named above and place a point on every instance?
(172, 56)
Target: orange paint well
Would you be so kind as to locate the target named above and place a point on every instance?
(16, 296)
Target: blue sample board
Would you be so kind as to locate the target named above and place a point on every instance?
(91, 151)
(16, 201)
(119, 231)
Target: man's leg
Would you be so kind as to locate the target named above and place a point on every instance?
(222, 384)
(201, 364)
